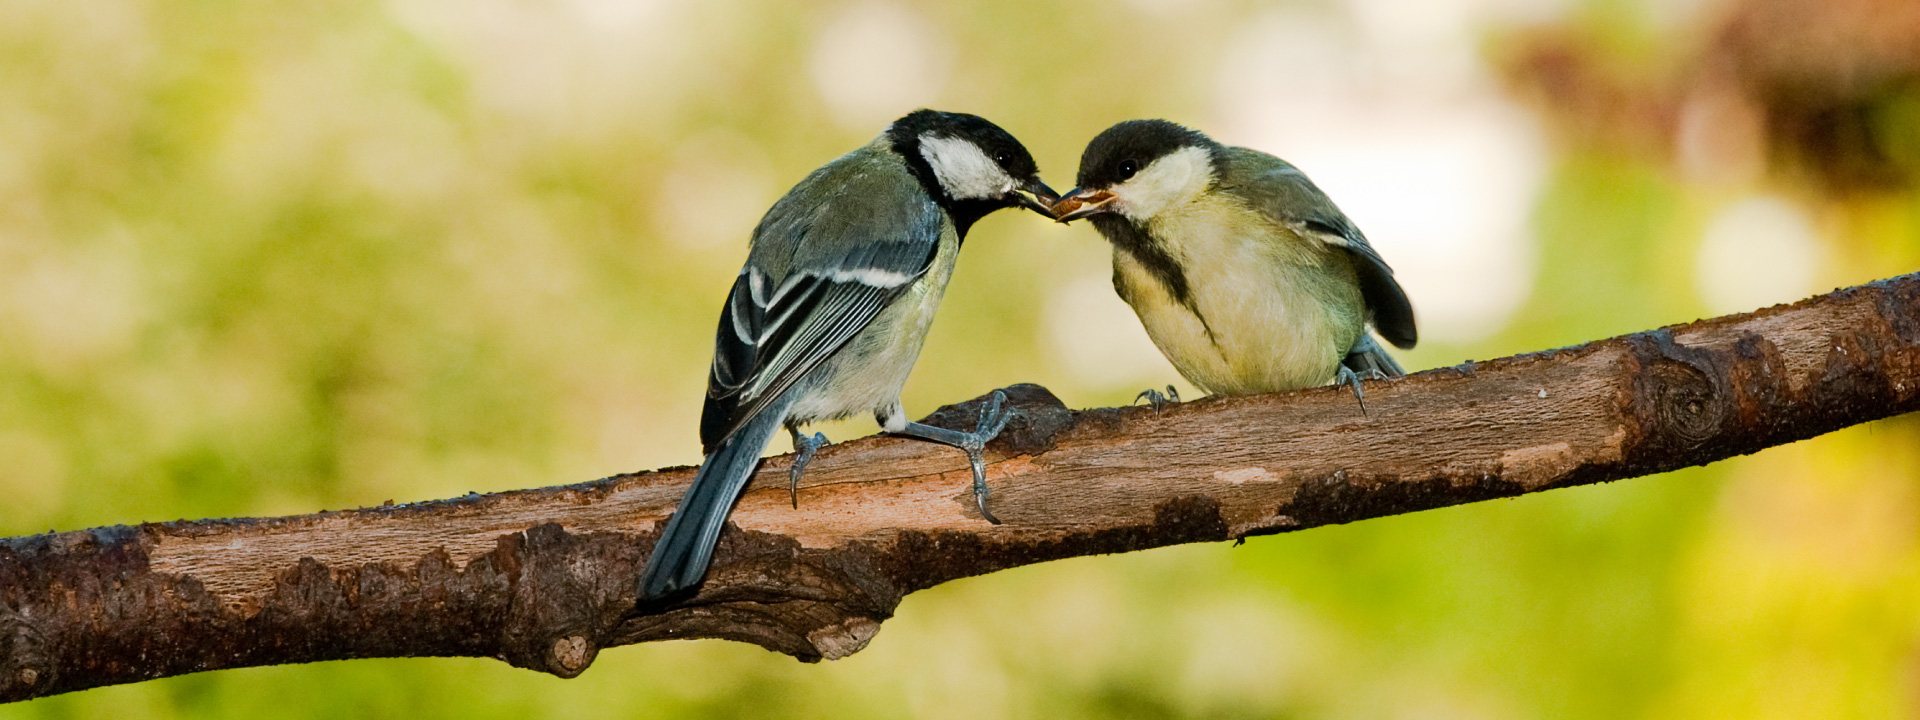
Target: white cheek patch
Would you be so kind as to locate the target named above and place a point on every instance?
(1175, 178)
(964, 171)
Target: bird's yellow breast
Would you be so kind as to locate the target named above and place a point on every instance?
(1266, 309)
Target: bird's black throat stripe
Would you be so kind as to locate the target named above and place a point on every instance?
(965, 213)
(1140, 244)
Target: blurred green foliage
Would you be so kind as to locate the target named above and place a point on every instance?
(270, 257)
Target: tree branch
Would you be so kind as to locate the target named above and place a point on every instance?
(544, 578)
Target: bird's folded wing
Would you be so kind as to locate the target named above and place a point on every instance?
(805, 293)
(1284, 193)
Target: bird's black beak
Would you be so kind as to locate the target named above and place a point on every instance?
(1036, 196)
(1080, 203)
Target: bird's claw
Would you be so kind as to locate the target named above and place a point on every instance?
(804, 447)
(1157, 400)
(1352, 379)
(993, 418)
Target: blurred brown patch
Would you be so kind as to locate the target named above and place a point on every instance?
(1828, 90)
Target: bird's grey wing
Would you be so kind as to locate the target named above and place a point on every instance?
(1284, 193)
(819, 274)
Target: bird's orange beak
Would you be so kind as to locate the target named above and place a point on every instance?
(1079, 203)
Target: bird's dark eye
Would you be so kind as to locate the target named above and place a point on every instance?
(1003, 157)
(1128, 168)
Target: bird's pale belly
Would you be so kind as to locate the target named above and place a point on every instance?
(1262, 333)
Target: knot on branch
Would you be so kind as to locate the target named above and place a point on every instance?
(569, 591)
(1680, 393)
(1686, 397)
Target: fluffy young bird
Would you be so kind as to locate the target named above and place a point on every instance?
(1244, 273)
(828, 315)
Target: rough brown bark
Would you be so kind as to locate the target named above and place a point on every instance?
(544, 578)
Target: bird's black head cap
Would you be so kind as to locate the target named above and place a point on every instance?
(1119, 152)
(905, 136)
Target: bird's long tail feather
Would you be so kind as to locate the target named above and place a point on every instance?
(685, 549)
(1367, 358)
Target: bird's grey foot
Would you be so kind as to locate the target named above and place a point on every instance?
(1352, 379)
(993, 418)
(803, 449)
(1158, 400)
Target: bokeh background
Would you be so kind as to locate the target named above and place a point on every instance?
(271, 257)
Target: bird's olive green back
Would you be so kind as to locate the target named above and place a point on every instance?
(861, 210)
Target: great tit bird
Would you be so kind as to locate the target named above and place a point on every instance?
(825, 320)
(1244, 273)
